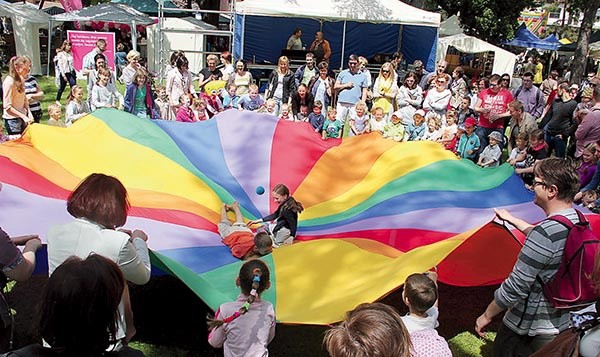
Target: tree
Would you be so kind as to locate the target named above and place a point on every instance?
(583, 42)
(491, 20)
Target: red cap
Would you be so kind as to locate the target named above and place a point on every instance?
(470, 121)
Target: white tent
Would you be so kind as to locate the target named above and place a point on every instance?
(364, 27)
(504, 61)
(186, 34)
(26, 22)
(387, 11)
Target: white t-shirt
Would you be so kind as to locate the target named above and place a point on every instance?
(415, 323)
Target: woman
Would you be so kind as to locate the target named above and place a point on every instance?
(281, 84)
(303, 97)
(139, 98)
(409, 98)
(16, 112)
(385, 89)
(242, 78)
(483, 83)
(127, 77)
(227, 69)
(66, 68)
(179, 83)
(321, 86)
(100, 205)
(78, 314)
(437, 99)
(210, 72)
(458, 87)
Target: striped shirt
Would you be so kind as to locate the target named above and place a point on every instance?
(529, 312)
(31, 88)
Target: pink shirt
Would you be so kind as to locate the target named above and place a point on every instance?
(497, 103)
(249, 334)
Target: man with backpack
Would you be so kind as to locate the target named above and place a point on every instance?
(532, 319)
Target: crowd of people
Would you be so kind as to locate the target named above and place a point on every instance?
(549, 127)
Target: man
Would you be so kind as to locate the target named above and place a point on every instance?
(305, 72)
(399, 66)
(321, 48)
(557, 121)
(529, 66)
(520, 122)
(440, 69)
(351, 85)
(492, 106)
(531, 321)
(549, 84)
(531, 96)
(295, 42)
(88, 60)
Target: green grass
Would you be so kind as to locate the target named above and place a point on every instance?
(468, 344)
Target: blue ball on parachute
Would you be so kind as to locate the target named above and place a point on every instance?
(260, 190)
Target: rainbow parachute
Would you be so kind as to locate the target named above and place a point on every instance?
(375, 210)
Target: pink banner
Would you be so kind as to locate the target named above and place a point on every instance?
(84, 42)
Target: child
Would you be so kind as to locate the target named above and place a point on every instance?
(199, 109)
(394, 129)
(139, 99)
(359, 120)
(285, 112)
(453, 145)
(103, 95)
(537, 150)
(332, 128)
(588, 199)
(246, 326)
(368, 328)
(519, 153)
(449, 131)
(587, 169)
(421, 296)
(211, 97)
(416, 129)
(464, 110)
(433, 132)
(468, 144)
(474, 95)
(302, 115)
(77, 108)
(162, 103)
(239, 238)
(377, 122)
(286, 216)
(269, 106)
(316, 119)
(184, 112)
(230, 98)
(251, 101)
(55, 114)
(490, 156)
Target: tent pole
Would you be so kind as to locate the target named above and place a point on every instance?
(243, 36)
(49, 46)
(134, 35)
(400, 30)
(343, 46)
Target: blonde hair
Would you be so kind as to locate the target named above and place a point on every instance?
(131, 55)
(282, 59)
(361, 104)
(53, 107)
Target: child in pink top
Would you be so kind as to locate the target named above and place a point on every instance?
(246, 326)
(184, 112)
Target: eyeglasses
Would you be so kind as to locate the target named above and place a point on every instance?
(352, 63)
(539, 183)
(493, 84)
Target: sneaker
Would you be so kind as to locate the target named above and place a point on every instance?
(288, 241)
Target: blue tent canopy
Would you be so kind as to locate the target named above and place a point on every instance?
(525, 38)
(552, 39)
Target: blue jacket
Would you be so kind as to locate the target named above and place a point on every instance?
(130, 98)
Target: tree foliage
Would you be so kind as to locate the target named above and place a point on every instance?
(491, 20)
(589, 9)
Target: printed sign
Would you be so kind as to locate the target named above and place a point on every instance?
(84, 42)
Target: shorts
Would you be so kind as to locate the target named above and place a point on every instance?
(226, 228)
(15, 126)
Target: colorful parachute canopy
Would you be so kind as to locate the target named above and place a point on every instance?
(375, 210)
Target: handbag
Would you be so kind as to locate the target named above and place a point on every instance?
(565, 344)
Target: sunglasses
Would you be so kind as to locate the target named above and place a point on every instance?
(441, 82)
(385, 71)
(493, 84)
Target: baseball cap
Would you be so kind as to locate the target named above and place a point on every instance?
(470, 122)
(420, 112)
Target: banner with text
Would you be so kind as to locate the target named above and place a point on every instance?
(84, 42)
